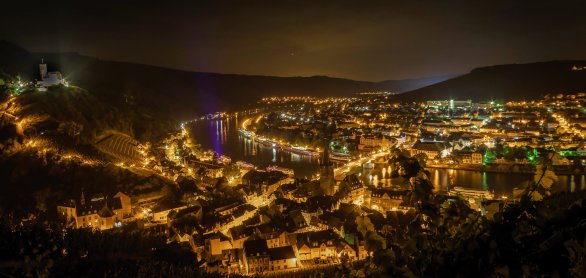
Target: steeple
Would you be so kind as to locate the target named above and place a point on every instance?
(325, 159)
(82, 199)
(326, 177)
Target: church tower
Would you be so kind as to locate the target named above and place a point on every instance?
(326, 172)
(43, 69)
(82, 198)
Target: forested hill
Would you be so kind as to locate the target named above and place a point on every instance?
(181, 94)
(509, 82)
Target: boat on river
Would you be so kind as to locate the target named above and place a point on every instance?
(471, 193)
(300, 150)
(245, 165)
(287, 171)
(340, 157)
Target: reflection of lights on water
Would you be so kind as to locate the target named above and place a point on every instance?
(274, 155)
(384, 173)
(436, 179)
(572, 184)
(375, 180)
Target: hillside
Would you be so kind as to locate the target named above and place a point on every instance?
(49, 147)
(509, 82)
(161, 92)
(406, 85)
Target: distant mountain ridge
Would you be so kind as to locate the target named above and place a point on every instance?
(182, 94)
(509, 82)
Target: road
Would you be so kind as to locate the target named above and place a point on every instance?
(339, 172)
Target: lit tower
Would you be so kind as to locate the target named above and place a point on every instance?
(43, 69)
(326, 172)
(82, 198)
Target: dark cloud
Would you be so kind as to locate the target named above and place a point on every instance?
(369, 40)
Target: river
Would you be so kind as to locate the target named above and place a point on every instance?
(223, 137)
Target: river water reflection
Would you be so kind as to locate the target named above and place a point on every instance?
(223, 137)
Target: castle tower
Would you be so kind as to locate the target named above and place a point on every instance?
(326, 172)
(82, 198)
(43, 69)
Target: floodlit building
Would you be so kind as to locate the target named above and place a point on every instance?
(386, 199)
(449, 103)
(100, 212)
(372, 141)
(433, 149)
(317, 245)
(49, 78)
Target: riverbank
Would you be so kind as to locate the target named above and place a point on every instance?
(510, 168)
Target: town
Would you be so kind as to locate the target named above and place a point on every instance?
(239, 218)
(293, 139)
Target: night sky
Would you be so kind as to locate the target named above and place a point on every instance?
(364, 40)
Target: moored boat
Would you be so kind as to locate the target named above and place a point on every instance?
(287, 171)
(469, 192)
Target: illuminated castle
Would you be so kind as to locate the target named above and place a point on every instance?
(49, 78)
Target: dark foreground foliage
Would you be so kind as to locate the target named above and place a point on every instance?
(40, 251)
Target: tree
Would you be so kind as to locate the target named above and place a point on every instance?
(372, 240)
(421, 159)
(489, 157)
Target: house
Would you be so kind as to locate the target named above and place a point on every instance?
(240, 234)
(386, 199)
(353, 188)
(317, 245)
(228, 209)
(160, 213)
(195, 212)
(265, 183)
(211, 170)
(475, 158)
(274, 236)
(433, 149)
(216, 244)
(281, 258)
(371, 141)
(288, 189)
(99, 212)
(345, 249)
(315, 206)
(256, 256)
(253, 195)
(237, 217)
(296, 221)
(210, 182)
